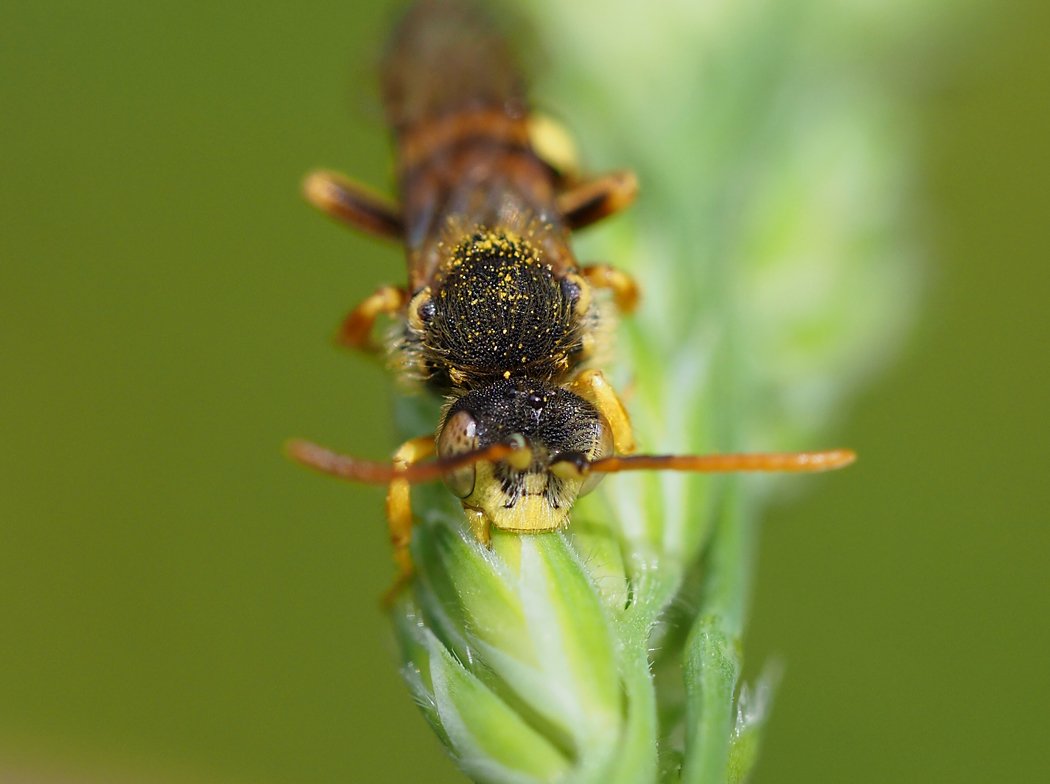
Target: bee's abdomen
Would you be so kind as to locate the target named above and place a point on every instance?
(456, 102)
(446, 58)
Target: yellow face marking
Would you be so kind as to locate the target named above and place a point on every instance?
(532, 511)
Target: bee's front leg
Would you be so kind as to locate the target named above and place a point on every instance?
(593, 387)
(399, 510)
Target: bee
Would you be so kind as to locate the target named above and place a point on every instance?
(497, 315)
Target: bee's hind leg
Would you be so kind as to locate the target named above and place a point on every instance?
(353, 204)
(580, 201)
(591, 200)
(555, 146)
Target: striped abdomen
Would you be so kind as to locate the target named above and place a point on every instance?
(456, 103)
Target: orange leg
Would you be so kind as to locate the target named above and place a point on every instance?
(479, 525)
(553, 143)
(356, 329)
(592, 387)
(623, 286)
(592, 200)
(399, 510)
(353, 204)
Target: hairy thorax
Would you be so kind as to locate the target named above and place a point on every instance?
(497, 310)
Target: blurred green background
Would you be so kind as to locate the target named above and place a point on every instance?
(177, 603)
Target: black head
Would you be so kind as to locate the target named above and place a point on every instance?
(552, 422)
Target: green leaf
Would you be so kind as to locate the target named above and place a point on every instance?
(490, 740)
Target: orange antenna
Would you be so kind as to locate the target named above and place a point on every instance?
(759, 461)
(370, 472)
(518, 454)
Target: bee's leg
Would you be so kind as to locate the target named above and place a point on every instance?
(399, 511)
(554, 145)
(591, 200)
(356, 329)
(592, 386)
(623, 286)
(479, 525)
(353, 204)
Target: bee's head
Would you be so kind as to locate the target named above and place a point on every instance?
(552, 425)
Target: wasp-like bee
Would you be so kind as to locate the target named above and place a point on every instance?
(497, 315)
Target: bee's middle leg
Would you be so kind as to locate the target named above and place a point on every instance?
(624, 288)
(356, 329)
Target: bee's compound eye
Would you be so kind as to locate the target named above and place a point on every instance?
(603, 448)
(460, 434)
